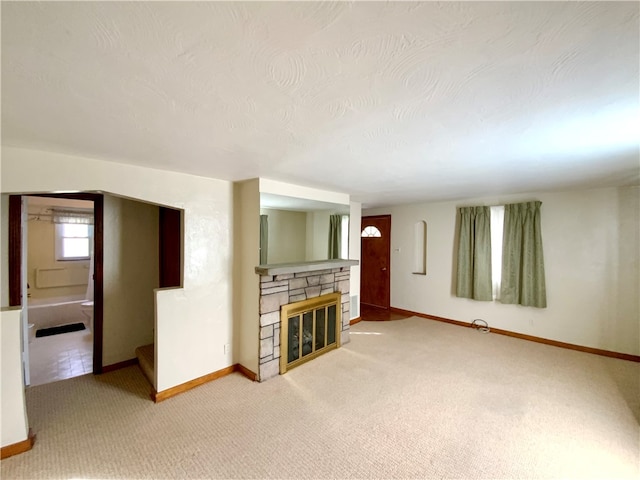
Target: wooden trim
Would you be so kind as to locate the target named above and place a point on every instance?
(15, 250)
(531, 338)
(353, 321)
(20, 447)
(410, 313)
(119, 365)
(178, 389)
(570, 346)
(246, 372)
(98, 281)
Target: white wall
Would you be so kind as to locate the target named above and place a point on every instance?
(246, 290)
(591, 247)
(131, 273)
(13, 410)
(194, 322)
(318, 232)
(627, 270)
(355, 221)
(296, 191)
(287, 235)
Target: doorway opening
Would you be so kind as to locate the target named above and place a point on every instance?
(60, 291)
(57, 278)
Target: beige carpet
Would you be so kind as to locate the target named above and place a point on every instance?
(405, 399)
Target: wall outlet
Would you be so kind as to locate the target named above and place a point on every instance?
(227, 347)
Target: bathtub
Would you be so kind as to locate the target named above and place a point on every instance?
(49, 312)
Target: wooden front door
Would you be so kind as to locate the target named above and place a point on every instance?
(375, 261)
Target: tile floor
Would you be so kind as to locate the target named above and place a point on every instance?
(61, 356)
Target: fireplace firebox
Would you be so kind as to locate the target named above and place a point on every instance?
(308, 329)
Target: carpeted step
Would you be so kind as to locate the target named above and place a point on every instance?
(146, 359)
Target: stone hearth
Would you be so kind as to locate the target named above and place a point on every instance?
(284, 284)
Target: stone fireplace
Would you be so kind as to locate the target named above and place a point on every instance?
(282, 285)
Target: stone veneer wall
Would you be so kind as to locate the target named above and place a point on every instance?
(278, 290)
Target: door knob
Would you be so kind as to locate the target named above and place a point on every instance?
(383, 268)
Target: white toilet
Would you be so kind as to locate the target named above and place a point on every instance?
(87, 311)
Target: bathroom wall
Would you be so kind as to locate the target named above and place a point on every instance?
(131, 273)
(41, 236)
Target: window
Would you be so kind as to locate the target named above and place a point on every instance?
(73, 241)
(497, 224)
(371, 231)
(500, 254)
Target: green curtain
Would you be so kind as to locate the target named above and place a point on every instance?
(264, 239)
(335, 235)
(522, 259)
(474, 254)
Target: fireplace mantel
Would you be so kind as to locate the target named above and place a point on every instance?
(298, 267)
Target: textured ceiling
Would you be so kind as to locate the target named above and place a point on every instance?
(390, 102)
